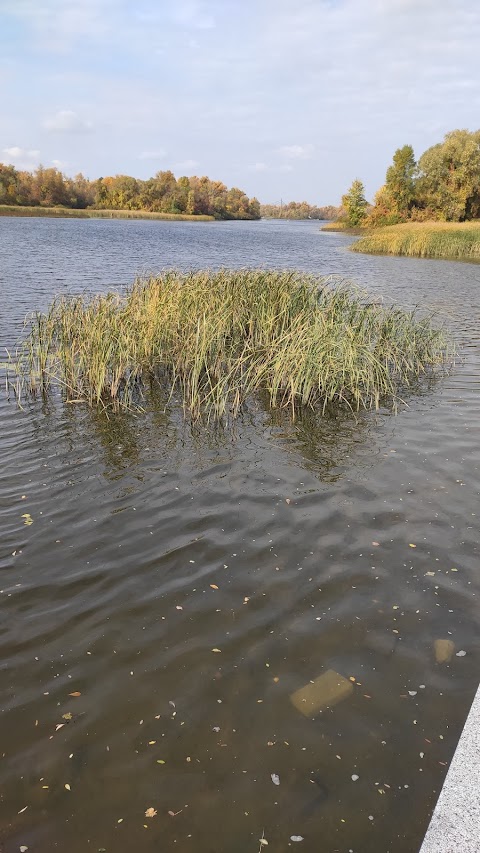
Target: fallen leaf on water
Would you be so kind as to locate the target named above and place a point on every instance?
(355, 778)
(160, 761)
(461, 654)
(263, 842)
(178, 607)
(376, 544)
(67, 716)
(411, 545)
(67, 787)
(23, 810)
(213, 586)
(174, 814)
(151, 812)
(75, 693)
(23, 848)
(276, 679)
(216, 650)
(296, 838)
(275, 778)
(151, 742)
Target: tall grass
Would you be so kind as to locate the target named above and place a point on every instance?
(218, 337)
(90, 213)
(454, 240)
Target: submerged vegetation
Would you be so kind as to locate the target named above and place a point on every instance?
(452, 240)
(217, 338)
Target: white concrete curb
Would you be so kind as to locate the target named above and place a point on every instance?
(455, 824)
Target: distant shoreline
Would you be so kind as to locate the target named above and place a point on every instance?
(90, 213)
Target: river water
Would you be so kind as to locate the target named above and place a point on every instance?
(288, 547)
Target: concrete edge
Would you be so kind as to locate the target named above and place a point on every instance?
(455, 823)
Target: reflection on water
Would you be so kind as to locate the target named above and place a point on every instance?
(288, 547)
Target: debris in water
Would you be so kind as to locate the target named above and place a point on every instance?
(151, 812)
(461, 654)
(275, 778)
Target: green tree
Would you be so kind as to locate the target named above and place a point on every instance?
(400, 182)
(355, 204)
(449, 181)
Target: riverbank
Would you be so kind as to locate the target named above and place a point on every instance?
(90, 213)
(448, 240)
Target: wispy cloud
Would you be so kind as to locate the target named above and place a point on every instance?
(159, 154)
(185, 166)
(296, 152)
(67, 121)
(193, 15)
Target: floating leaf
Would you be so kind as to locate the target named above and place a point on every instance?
(213, 586)
(75, 693)
(151, 812)
(296, 838)
(216, 650)
(275, 778)
(67, 787)
(461, 654)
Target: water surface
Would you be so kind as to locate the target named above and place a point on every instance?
(152, 544)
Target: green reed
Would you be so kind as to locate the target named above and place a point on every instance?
(217, 338)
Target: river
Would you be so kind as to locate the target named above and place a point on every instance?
(132, 547)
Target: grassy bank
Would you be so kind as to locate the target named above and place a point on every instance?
(215, 338)
(68, 212)
(453, 240)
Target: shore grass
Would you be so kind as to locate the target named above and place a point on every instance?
(449, 240)
(216, 338)
(68, 212)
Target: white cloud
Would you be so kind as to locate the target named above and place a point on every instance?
(296, 152)
(159, 154)
(21, 158)
(62, 165)
(67, 121)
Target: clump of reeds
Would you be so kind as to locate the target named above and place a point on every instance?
(218, 337)
(452, 240)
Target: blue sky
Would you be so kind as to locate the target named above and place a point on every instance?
(287, 99)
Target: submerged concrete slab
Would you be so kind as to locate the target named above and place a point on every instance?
(455, 825)
(325, 692)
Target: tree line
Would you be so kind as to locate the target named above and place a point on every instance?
(164, 193)
(444, 185)
(298, 210)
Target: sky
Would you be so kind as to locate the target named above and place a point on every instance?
(286, 99)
